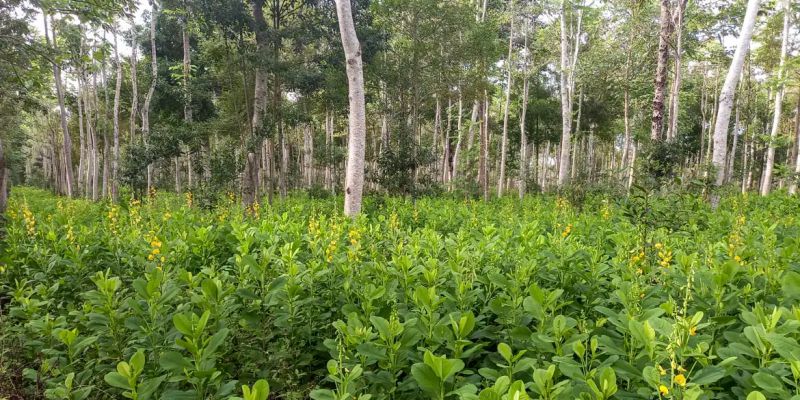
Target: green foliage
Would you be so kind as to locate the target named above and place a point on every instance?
(431, 299)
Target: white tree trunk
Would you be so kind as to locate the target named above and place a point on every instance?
(117, 89)
(67, 143)
(354, 175)
(509, 69)
(149, 97)
(766, 181)
(793, 184)
(134, 81)
(523, 135)
(728, 90)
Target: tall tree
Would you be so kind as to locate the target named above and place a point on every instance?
(569, 58)
(727, 94)
(509, 69)
(149, 97)
(665, 32)
(354, 175)
(769, 164)
(67, 139)
(117, 93)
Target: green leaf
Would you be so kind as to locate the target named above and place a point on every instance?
(146, 389)
(505, 351)
(174, 362)
(216, 341)
(137, 362)
(426, 378)
(756, 395)
(708, 375)
(768, 382)
(791, 285)
(116, 380)
(183, 323)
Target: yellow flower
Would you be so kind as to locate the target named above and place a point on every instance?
(663, 390)
(662, 371)
(693, 331)
(659, 246)
(163, 259)
(151, 257)
(566, 231)
(738, 259)
(156, 251)
(680, 379)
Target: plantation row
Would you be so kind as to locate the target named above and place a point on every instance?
(433, 299)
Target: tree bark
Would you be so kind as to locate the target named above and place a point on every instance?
(766, 181)
(726, 96)
(793, 184)
(149, 97)
(250, 178)
(504, 141)
(4, 184)
(134, 81)
(565, 72)
(675, 90)
(117, 92)
(665, 33)
(187, 91)
(67, 142)
(354, 175)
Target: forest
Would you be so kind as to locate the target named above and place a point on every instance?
(399, 199)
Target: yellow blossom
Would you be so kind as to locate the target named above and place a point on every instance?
(693, 331)
(680, 379)
(663, 390)
(662, 371)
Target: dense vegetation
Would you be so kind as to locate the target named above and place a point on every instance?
(639, 298)
(484, 96)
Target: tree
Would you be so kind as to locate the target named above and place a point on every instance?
(66, 168)
(569, 58)
(727, 93)
(509, 68)
(766, 180)
(354, 176)
(149, 97)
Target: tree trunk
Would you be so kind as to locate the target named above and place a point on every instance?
(134, 81)
(81, 140)
(483, 178)
(459, 133)
(675, 90)
(187, 91)
(149, 97)
(67, 143)
(523, 135)
(308, 155)
(253, 147)
(117, 92)
(445, 165)
(504, 141)
(766, 181)
(726, 96)
(665, 33)
(4, 185)
(354, 175)
(793, 184)
(328, 151)
(566, 102)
